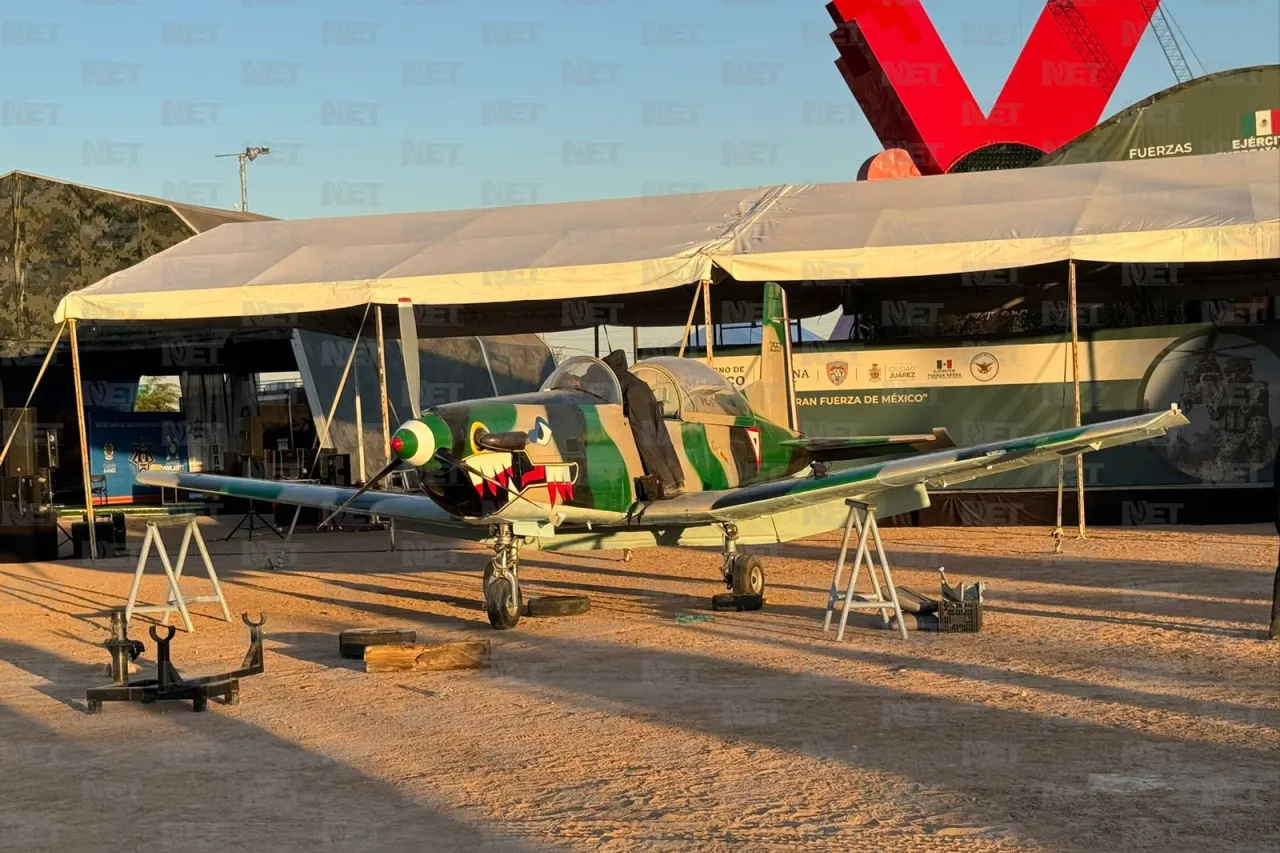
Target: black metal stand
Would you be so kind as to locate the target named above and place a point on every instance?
(249, 517)
(169, 685)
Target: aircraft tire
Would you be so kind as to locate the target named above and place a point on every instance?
(733, 601)
(499, 601)
(748, 575)
(557, 605)
(353, 641)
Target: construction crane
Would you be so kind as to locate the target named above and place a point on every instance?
(1168, 42)
(1085, 41)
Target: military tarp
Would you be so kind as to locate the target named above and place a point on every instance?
(1214, 114)
(1214, 208)
(57, 237)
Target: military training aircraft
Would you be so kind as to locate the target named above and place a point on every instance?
(667, 453)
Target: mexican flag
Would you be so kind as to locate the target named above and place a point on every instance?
(1261, 123)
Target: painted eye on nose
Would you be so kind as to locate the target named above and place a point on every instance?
(541, 433)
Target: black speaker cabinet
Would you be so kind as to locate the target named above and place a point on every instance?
(336, 469)
(21, 460)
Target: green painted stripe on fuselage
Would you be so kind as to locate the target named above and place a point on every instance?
(709, 470)
(777, 459)
(606, 469)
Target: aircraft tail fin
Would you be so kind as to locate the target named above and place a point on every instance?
(772, 395)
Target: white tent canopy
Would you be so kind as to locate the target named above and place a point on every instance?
(1223, 207)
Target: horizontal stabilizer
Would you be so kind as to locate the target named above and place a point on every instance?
(869, 446)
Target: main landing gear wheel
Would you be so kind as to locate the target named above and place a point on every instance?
(747, 577)
(501, 599)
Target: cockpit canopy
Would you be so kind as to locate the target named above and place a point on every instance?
(588, 375)
(685, 387)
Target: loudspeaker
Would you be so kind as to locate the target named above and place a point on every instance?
(337, 469)
(21, 460)
(30, 543)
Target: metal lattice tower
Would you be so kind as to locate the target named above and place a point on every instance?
(1085, 42)
(1168, 42)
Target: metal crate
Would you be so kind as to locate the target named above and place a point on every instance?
(959, 617)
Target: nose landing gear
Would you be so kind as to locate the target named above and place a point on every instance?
(502, 599)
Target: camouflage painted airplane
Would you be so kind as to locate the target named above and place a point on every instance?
(559, 469)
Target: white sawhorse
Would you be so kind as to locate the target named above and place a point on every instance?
(866, 526)
(174, 573)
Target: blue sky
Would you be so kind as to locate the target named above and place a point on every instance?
(396, 105)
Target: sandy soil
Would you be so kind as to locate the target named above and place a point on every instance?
(1120, 698)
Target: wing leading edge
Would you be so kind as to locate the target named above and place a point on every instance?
(932, 470)
(419, 509)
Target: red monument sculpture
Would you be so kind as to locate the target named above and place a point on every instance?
(917, 101)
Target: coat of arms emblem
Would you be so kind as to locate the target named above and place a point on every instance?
(837, 371)
(142, 460)
(874, 373)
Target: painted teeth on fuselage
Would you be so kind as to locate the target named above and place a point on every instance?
(488, 463)
(559, 473)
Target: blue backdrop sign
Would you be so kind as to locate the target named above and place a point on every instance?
(121, 444)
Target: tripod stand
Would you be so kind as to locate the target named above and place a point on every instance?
(250, 516)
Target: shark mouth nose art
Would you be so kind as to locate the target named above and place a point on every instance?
(494, 472)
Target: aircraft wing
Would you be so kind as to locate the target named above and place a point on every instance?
(420, 510)
(867, 446)
(928, 470)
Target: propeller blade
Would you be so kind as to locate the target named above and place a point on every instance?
(391, 466)
(409, 352)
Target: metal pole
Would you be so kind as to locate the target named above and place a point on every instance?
(90, 516)
(355, 379)
(244, 184)
(1075, 381)
(382, 390)
(1057, 530)
(322, 435)
(47, 358)
(635, 344)
(597, 331)
(707, 328)
(688, 324)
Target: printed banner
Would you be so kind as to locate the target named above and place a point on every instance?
(123, 443)
(1223, 377)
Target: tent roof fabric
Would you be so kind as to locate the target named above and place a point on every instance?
(197, 217)
(1217, 208)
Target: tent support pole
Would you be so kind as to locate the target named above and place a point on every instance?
(90, 516)
(1075, 381)
(708, 328)
(1062, 464)
(597, 336)
(382, 387)
(635, 344)
(322, 440)
(53, 347)
(355, 381)
(688, 324)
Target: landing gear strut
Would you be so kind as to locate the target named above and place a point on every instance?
(743, 573)
(502, 598)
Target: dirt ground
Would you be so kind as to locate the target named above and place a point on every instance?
(1119, 698)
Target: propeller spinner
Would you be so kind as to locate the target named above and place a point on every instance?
(418, 440)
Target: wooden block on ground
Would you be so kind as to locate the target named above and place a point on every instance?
(431, 657)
